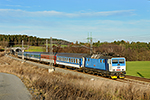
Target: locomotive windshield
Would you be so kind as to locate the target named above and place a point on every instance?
(121, 60)
(114, 61)
(118, 61)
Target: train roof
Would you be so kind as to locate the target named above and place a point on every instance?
(80, 55)
(76, 55)
(101, 56)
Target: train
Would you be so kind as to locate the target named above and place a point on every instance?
(99, 64)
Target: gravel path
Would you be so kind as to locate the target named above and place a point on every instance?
(12, 88)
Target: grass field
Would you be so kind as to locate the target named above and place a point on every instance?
(35, 49)
(56, 45)
(138, 68)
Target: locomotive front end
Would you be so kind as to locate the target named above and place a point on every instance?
(118, 67)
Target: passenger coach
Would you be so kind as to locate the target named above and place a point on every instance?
(70, 59)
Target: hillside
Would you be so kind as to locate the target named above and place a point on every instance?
(11, 40)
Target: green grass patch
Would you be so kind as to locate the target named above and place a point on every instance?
(25, 46)
(57, 45)
(35, 49)
(138, 68)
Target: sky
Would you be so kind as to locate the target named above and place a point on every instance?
(73, 20)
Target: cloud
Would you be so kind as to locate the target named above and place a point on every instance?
(23, 13)
(13, 5)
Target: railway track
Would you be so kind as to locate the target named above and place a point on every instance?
(127, 79)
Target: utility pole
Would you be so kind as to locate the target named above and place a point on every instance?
(91, 44)
(91, 47)
(22, 52)
(28, 44)
(46, 45)
(51, 57)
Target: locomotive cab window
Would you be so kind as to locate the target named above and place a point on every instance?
(121, 61)
(114, 61)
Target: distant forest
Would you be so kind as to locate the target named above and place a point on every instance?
(11, 40)
(134, 51)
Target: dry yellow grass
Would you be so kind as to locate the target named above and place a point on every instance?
(59, 86)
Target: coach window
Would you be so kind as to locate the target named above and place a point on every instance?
(69, 59)
(88, 59)
(76, 60)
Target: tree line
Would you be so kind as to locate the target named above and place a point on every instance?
(134, 51)
(11, 40)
